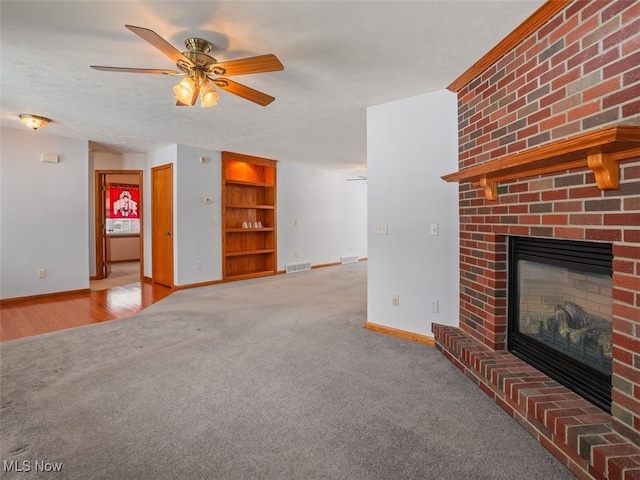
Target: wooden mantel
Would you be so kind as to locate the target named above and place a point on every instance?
(600, 150)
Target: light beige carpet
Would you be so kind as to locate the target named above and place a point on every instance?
(273, 378)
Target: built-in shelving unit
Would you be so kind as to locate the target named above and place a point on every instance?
(249, 242)
(600, 150)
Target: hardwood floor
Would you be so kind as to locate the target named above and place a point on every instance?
(26, 317)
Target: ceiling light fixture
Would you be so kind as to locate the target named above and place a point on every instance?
(208, 96)
(34, 121)
(188, 89)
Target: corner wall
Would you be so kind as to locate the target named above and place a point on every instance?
(45, 214)
(411, 143)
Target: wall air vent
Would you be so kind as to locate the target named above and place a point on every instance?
(298, 267)
(349, 259)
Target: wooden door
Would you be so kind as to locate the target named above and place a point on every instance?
(162, 225)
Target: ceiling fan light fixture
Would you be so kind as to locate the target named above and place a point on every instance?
(197, 65)
(208, 96)
(34, 121)
(186, 91)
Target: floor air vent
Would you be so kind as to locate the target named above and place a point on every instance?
(298, 267)
(349, 259)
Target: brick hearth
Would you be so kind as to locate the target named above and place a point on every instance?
(578, 434)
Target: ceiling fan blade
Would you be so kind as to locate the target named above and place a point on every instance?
(137, 70)
(160, 43)
(244, 91)
(243, 66)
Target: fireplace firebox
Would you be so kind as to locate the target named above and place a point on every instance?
(559, 312)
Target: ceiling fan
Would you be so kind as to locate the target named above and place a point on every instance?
(202, 72)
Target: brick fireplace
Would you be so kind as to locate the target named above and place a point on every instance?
(549, 147)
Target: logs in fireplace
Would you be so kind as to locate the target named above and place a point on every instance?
(560, 296)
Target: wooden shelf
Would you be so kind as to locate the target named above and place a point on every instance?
(257, 207)
(248, 195)
(600, 150)
(248, 184)
(249, 252)
(250, 230)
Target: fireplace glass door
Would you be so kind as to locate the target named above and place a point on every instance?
(560, 312)
(568, 310)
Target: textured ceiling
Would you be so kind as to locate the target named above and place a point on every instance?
(339, 57)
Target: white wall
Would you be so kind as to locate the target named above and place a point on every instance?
(321, 216)
(45, 214)
(197, 233)
(411, 143)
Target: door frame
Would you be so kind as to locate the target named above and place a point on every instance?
(99, 196)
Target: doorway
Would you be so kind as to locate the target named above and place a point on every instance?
(118, 228)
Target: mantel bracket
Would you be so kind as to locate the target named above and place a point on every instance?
(490, 188)
(605, 169)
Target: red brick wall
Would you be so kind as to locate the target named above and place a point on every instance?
(578, 72)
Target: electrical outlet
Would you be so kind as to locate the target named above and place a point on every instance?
(382, 229)
(395, 300)
(42, 273)
(434, 229)
(198, 265)
(433, 304)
